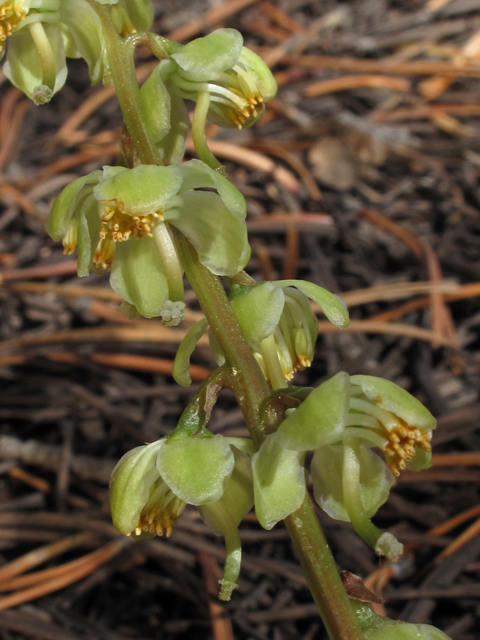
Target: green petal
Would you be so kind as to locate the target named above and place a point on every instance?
(86, 28)
(261, 74)
(137, 275)
(197, 175)
(142, 190)
(320, 419)
(279, 482)
(181, 365)
(23, 66)
(219, 237)
(197, 470)
(155, 101)
(64, 206)
(421, 460)
(258, 311)
(88, 235)
(332, 306)
(327, 473)
(238, 495)
(172, 146)
(393, 398)
(217, 52)
(130, 485)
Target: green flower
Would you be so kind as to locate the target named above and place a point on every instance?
(229, 83)
(43, 33)
(341, 421)
(151, 484)
(280, 325)
(120, 218)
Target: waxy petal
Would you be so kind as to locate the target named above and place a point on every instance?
(197, 470)
(332, 306)
(279, 482)
(216, 52)
(137, 275)
(142, 190)
(320, 419)
(393, 398)
(258, 311)
(327, 474)
(64, 206)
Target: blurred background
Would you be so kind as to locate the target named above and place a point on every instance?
(362, 177)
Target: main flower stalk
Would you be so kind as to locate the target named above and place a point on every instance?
(249, 383)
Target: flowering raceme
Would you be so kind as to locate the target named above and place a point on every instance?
(341, 421)
(43, 33)
(120, 218)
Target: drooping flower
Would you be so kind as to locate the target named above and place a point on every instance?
(42, 34)
(229, 83)
(279, 326)
(120, 218)
(341, 421)
(152, 484)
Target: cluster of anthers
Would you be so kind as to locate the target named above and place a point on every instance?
(241, 116)
(160, 514)
(397, 439)
(11, 14)
(401, 445)
(117, 226)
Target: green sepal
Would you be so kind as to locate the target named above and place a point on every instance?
(320, 419)
(327, 474)
(137, 275)
(258, 311)
(64, 206)
(216, 52)
(393, 398)
(130, 484)
(279, 482)
(332, 306)
(197, 469)
(181, 365)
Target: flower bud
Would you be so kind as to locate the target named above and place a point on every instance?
(406, 631)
